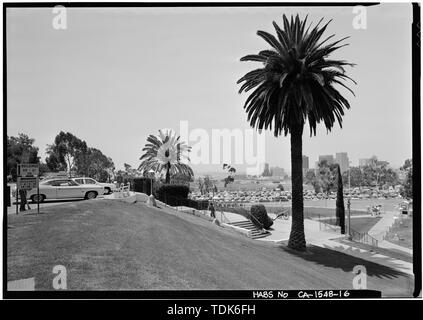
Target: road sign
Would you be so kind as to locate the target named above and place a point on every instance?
(27, 183)
(28, 169)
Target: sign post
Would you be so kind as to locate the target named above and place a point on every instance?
(27, 180)
(17, 191)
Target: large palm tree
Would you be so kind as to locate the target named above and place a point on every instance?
(297, 82)
(166, 152)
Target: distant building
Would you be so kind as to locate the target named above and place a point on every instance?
(373, 161)
(305, 164)
(277, 172)
(329, 159)
(341, 158)
(266, 171)
(364, 162)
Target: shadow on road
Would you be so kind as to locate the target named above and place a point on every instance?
(338, 260)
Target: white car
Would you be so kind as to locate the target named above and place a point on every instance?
(109, 187)
(64, 189)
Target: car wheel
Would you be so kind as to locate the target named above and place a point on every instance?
(38, 198)
(108, 190)
(91, 195)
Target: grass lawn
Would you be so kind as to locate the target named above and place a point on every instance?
(363, 225)
(402, 233)
(108, 245)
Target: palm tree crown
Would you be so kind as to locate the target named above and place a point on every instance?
(296, 81)
(166, 152)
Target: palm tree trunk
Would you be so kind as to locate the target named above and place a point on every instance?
(297, 237)
(168, 173)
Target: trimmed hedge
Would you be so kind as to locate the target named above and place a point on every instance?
(172, 191)
(142, 185)
(258, 212)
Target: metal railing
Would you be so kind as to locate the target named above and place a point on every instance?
(255, 219)
(283, 214)
(364, 238)
(361, 237)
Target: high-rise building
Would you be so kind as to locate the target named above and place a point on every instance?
(341, 158)
(305, 163)
(266, 171)
(277, 172)
(329, 159)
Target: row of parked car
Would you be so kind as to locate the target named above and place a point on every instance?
(66, 188)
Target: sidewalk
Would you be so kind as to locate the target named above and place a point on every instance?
(379, 230)
(325, 239)
(389, 245)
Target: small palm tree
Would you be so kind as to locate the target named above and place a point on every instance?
(296, 83)
(166, 152)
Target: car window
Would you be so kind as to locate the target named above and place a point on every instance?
(80, 181)
(64, 183)
(48, 183)
(57, 182)
(90, 181)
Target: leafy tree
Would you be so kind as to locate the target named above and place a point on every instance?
(231, 174)
(353, 175)
(201, 185)
(311, 179)
(296, 82)
(208, 184)
(327, 176)
(95, 164)
(407, 185)
(407, 164)
(65, 149)
(18, 148)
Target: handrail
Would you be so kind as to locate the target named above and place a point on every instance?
(281, 214)
(261, 225)
(355, 235)
(363, 237)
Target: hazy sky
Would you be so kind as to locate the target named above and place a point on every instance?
(114, 76)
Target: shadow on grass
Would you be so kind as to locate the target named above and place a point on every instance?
(333, 259)
(33, 213)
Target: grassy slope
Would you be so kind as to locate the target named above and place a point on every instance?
(108, 245)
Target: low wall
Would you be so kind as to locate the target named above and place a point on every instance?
(242, 231)
(132, 198)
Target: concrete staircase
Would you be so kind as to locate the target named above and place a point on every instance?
(255, 233)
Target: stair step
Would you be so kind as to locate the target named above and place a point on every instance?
(256, 233)
(260, 236)
(241, 223)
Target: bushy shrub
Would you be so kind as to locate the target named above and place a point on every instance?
(259, 216)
